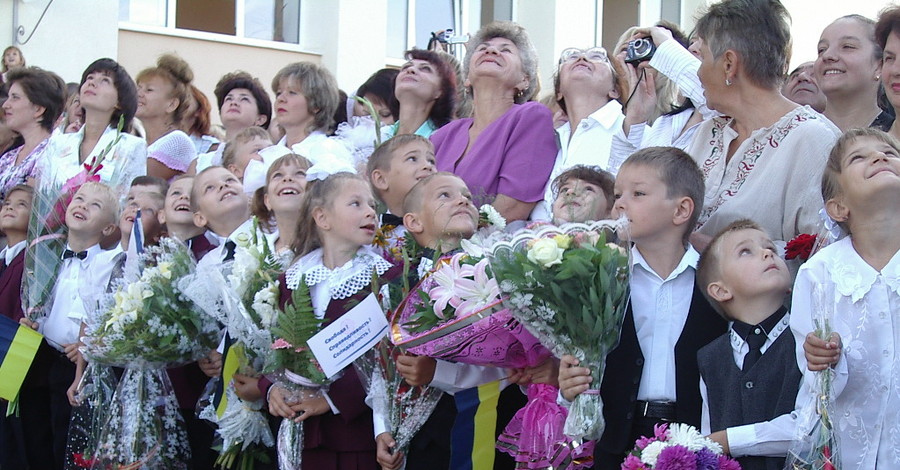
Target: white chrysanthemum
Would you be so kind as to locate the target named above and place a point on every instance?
(494, 218)
(687, 436)
(651, 453)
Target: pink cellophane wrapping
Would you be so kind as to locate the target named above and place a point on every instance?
(489, 339)
(535, 439)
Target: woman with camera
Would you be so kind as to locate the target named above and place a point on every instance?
(763, 158)
(665, 102)
(505, 152)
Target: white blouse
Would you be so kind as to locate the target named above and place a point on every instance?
(865, 306)
(773, 178)
(127, 160)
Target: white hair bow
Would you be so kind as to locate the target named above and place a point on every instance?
(329, 157)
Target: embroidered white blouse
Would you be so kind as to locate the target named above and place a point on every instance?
(865, 305)
(773, 178)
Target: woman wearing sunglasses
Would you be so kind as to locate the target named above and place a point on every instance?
(586, 88)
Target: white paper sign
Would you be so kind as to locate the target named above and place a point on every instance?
(350, 336)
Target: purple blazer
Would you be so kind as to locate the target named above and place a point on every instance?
(513, 156)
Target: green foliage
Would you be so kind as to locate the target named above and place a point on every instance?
(296, 324)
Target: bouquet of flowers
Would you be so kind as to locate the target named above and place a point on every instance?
(295, 368)
(677, 447)
(146, 326)
(47, 230)
(456, 314)
(816, 445)
(245, 301)
(569, 286)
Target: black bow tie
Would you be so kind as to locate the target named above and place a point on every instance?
(71, 254)
(230, 246)
(391, 219)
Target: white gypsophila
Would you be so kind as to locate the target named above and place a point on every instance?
(650, 454)
(517, 299)
(688, 436)
(264, 304)
(544, 312)
(494, 218)
(507, 286)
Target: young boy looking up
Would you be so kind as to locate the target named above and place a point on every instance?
(14, 214)
(245, 147)
(748, 401)
(84, 271)
(652, 375)
(221, 206)
(583, 193)
(178, 217)
(439, 213)
(147, 194)
(394, 168)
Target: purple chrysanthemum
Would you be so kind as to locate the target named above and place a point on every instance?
(726, 463)
(632, 462)
(707, 460)
(675, 458)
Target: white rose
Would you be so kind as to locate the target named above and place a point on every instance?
(545, 252)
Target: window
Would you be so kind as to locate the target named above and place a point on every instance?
(271, 20)
(411, 22)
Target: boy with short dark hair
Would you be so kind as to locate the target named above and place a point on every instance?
(14, 215)
(652, 375)
(748, 401)
(394, 168)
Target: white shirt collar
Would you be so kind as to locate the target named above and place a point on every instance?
(606, 116)
(10, 252)
(688, 260)
(853, 277)
(738, 343)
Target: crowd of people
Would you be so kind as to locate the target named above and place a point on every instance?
(716, 153)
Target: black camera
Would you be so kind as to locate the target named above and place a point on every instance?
(639, 50)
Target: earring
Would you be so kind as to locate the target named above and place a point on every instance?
(519, 93)
(877, 77)
(727, 81)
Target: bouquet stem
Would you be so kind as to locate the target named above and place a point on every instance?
(585, 421)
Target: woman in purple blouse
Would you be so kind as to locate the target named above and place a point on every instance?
(36, 99)
(505, 152)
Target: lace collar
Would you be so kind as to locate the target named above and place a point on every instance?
(342, 282)
(852, 276)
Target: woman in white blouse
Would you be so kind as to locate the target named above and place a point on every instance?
(164, 95)
(764, 162)
(306, 98)
(108, 96)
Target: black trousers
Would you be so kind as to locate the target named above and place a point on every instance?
(44, 408)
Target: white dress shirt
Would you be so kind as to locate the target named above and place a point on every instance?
(588, 145)
(79, 280)
(768, 438)
(10, 252)
(660, 307)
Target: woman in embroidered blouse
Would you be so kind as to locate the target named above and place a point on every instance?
(35, 101)
(848, 71)
(762, 162)
(306, 98)
(506, 151)
(164, 95)
(426, 90)
(108, 94)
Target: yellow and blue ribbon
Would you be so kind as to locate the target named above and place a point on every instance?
(18, 346)
(474, 434)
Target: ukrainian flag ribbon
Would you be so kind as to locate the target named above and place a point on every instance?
(18, 346)
(473, 435)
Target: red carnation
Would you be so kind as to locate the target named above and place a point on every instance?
(800, 247)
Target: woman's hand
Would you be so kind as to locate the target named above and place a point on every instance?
(573, 380)
(512, 209)
(657, 34)
(640, 103)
